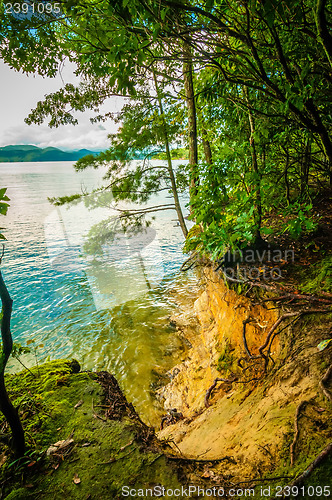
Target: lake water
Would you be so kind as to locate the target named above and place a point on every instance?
(108, 307)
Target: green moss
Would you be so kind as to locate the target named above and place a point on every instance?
(321, 476)
(227, 361)
(318, 277)
(312, 440)
(20, 494)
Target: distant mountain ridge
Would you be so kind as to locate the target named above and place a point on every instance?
(22, 153)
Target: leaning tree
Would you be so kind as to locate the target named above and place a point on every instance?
(10, 413)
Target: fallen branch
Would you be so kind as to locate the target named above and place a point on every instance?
(296, 427)
(324, 380)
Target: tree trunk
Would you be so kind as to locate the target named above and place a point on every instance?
(323, 30)
(192, 119)
(286, 176)
(323, 133)
(305, 167)
(207, 148)
(325, 138)
(10, 413)
(257, 183)
(169, 163)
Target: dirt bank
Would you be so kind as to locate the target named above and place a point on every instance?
(250, 422)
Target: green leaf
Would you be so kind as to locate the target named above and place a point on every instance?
(163, 14)
(209, 4)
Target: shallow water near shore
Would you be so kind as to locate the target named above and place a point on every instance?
(109, 310)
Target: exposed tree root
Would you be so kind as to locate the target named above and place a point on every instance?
(245, 322)
(201, 461)
(297, 296)
(324, 380)
(270, 337)
(320, 458)
(296, 428)
(327, 299)
(299, 480)
(210, 389)
(187, 264)
(296, 314)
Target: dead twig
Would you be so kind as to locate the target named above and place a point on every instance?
(262, 480)
(95, 415)
(126, 445)
(202, 461)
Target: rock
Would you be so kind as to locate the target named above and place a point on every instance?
(75, 366)
(60, 445)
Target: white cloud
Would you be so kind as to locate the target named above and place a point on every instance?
(19, 94)
(68, 137)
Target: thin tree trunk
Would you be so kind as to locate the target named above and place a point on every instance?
(323, 30)
(328, 151)
(169, 162)
(257, 184)
(192, 119)
(10, 413)
(207, 148)
(286, 177)
(305, 167)
(323, 133)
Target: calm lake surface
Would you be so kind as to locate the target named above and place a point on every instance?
(109, 309)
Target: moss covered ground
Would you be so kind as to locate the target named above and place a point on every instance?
(111, 447)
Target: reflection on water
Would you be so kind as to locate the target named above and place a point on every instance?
(109, 311)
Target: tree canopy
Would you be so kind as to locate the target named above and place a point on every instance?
(250, 83)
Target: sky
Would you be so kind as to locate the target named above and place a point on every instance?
(20, 93)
